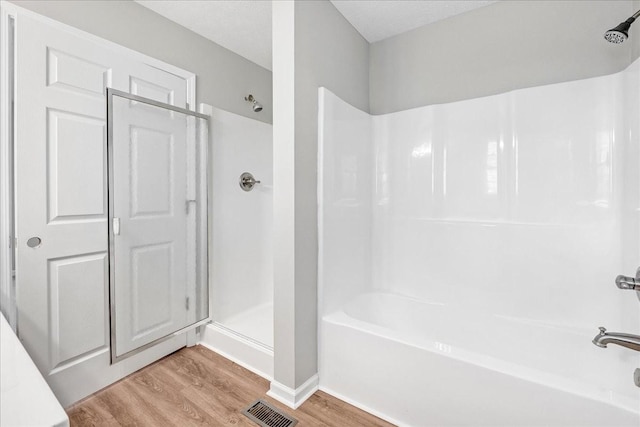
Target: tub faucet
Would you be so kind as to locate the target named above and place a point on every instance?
(624, 340)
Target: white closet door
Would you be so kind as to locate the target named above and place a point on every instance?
(61, 202)
(151, 216)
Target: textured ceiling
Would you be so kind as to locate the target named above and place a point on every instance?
(244, 26)
(241, 26)
(379, 19)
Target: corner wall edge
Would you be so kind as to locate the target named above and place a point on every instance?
(294, 398)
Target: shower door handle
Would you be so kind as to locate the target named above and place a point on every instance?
(116, 226)
(187, 203)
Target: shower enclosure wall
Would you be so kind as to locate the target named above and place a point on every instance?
(242, 260)
(468, 253)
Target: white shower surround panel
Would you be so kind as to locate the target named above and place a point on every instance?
(241, 251)
(468, 251)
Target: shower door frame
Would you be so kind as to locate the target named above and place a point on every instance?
(204, 162)
(7, 136)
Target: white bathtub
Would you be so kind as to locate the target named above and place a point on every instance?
(418, 363)
(25, 398)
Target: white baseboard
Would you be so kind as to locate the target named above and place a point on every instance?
(290, 397)
(237, 348)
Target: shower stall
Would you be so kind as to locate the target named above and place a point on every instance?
(242, 254)
(468, 253)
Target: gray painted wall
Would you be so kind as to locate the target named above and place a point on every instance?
(328, 52)
(223, 77)
(501, 47)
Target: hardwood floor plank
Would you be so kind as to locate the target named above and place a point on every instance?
(230, 366)
(202, 376)
(222, 396)
(161, 369)
(227, 413)
(197, 387)
(174, 406)
(172, 370)
(90, 413)
(232, 373)
(128, 408)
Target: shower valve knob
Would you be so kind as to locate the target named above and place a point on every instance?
(247, 181)
(630, 283)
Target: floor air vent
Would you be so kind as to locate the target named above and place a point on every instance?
(266, 415)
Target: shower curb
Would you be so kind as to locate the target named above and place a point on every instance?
(246, 353)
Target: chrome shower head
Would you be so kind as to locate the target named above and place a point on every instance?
(257, 107)
(620, 33)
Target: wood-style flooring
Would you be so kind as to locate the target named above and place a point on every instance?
(197, 387)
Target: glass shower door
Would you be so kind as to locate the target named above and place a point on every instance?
(157, 221)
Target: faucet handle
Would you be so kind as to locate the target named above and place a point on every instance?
(247, 181)
(603, 330)
(626, 282)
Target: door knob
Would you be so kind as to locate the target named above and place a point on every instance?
(34, 242)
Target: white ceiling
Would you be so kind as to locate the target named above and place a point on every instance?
(379, 19)
(244, 26)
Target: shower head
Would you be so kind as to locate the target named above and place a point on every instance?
(620, 33)
(257, 107)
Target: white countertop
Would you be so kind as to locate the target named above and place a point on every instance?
(25, 397)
